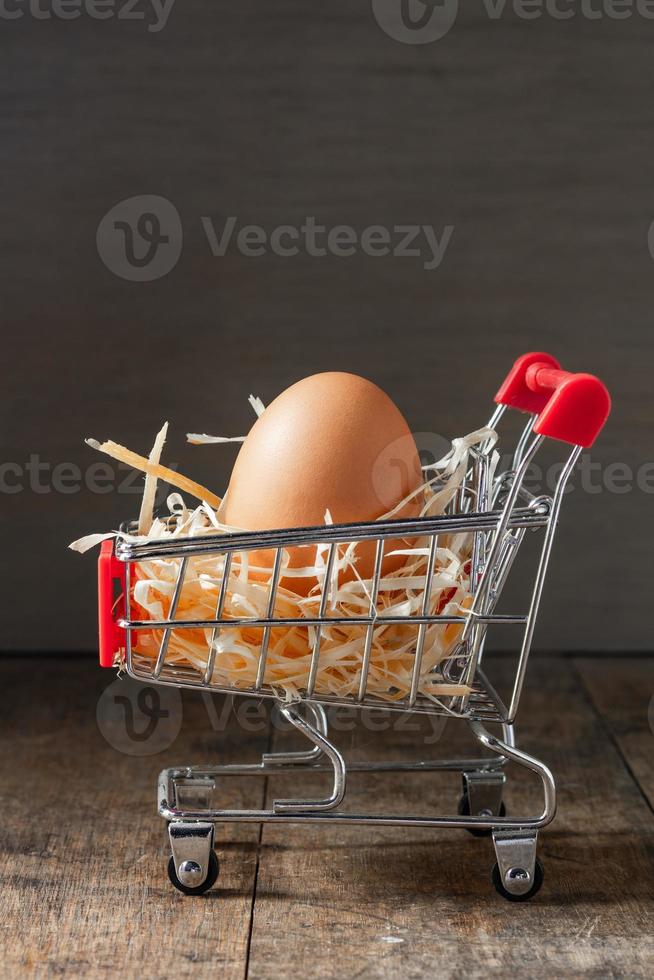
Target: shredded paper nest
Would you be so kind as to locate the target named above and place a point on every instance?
(238, 648)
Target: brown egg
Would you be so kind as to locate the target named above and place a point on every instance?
(334, 442)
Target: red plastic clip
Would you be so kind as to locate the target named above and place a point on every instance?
(570, 407)
(112, 636)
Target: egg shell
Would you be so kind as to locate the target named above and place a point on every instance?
(332, 442)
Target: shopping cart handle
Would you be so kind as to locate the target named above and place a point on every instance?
(570, 407)
(111, 635)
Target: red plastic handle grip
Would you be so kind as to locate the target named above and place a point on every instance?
(111, 636)
(570, 407)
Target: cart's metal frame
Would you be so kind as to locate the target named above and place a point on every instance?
(497, 513)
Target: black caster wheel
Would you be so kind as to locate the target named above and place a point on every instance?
(464, 811)
(208, 882)
(500, 888)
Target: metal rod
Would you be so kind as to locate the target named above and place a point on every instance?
(474, 630)
(128, 635)
(503, 525)
(508, 750)
(422, 629)
(540, 580)
(301, 758)
(315, 655)
(219, 612)
(261, 669)
(498, 412)
(144, 624)
(196, 774)
(165, 639)
(337, 764)
(254, 541)
(481, 463)
(370, 629)
(351, 819)
(522, 442)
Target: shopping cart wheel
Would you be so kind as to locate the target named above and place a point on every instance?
(518, 876)
(191, 868)
(464, 811)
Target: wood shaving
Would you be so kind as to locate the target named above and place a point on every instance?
(146, 513)
(124, 455)
(237, 648)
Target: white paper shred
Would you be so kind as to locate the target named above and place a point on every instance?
(202, 439)
(150, 491)
(82, 545)
(257, 405)
(400, 593)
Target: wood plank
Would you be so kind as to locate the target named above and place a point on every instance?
(370, 902)
(82, 852)
(89, 900)
(622, 691)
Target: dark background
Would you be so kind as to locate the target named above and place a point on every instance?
(532, 137)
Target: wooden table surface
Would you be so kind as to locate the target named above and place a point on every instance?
(85, 892)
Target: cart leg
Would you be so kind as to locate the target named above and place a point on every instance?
(319, 716)
(482, 797)
(324, 746)
(508, 750)
(518, 875)
(193, 867)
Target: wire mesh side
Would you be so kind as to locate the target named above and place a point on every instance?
(496, 537)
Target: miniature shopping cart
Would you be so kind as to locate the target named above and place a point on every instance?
(497, 510)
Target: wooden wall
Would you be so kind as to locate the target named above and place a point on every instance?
(533, 138)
